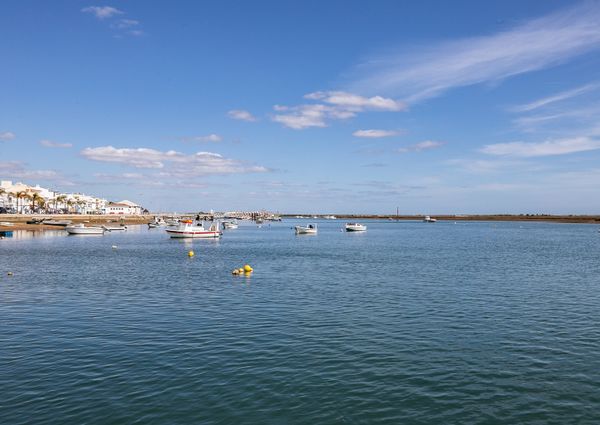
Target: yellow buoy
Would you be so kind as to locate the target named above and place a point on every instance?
(241, 270)
(248, 269)
(190, 253)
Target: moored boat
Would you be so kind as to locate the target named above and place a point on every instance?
(428, 219)
(187, 229)
(309, 229)
(355, 227)
(229, 225)
(82, 229)
(114, 228)
(63, 223)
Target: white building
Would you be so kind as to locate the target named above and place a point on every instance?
(123, 207)
(25, 199)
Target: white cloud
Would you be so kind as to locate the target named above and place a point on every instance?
(126, 23)
(303, 116)
(242, 115)
(171, 163)
(556, 98)
(431, 70)
(355, 102)
(5, 136)
(374, 134)
(17, 169)
(51, 144)
(421, 146)
(102, 12)
(547, 148)
(486, 166)
(336, 105)
(214, 138)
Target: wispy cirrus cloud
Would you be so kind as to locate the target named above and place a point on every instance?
(421, 146)
(375, 134)
(123, 26)
(431, 70)
(334, 105)
(171, 163)
(546, 148)
(126, 23)
(6, 136)
(242, 115)
(564, 95)
(487, 166)
(209, 138)
(102, 12)
(51, 144)
(20, 170)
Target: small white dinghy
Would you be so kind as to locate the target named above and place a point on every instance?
(309, 229)
(82, 229)
(428, 219)
(186, 229)
(229, 225)
(355, 227)
(115, 228)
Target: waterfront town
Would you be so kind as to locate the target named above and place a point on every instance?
(21, 198)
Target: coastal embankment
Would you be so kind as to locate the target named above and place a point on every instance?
(19, 221)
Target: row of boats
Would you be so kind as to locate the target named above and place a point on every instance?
(312, 229)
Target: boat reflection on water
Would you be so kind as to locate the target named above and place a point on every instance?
(34, 234)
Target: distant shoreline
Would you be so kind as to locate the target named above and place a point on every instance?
(589, 219)
(19, 220)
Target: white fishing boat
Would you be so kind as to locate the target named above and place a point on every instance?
(309, 229)
(355, 227)
(115, 228)
(229, 225)
(63, 223)
(428, 219)
(187, 229)
(157, 222)
(172, 222)
(82, 229)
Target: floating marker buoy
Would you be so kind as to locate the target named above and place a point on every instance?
(114, 247)
(241, 270)
(248, 269)
(235, 272)
(10, 273)
(190, 253)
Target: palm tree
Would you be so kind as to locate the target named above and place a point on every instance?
(25, 197)
(59, 198)
(35, 198)
(20, 195)
(69, 203)
(42, 204)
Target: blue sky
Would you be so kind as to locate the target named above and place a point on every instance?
(338, 106)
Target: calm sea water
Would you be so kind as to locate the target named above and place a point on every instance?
(407, 323)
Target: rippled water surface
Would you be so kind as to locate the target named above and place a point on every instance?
(407, 323)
